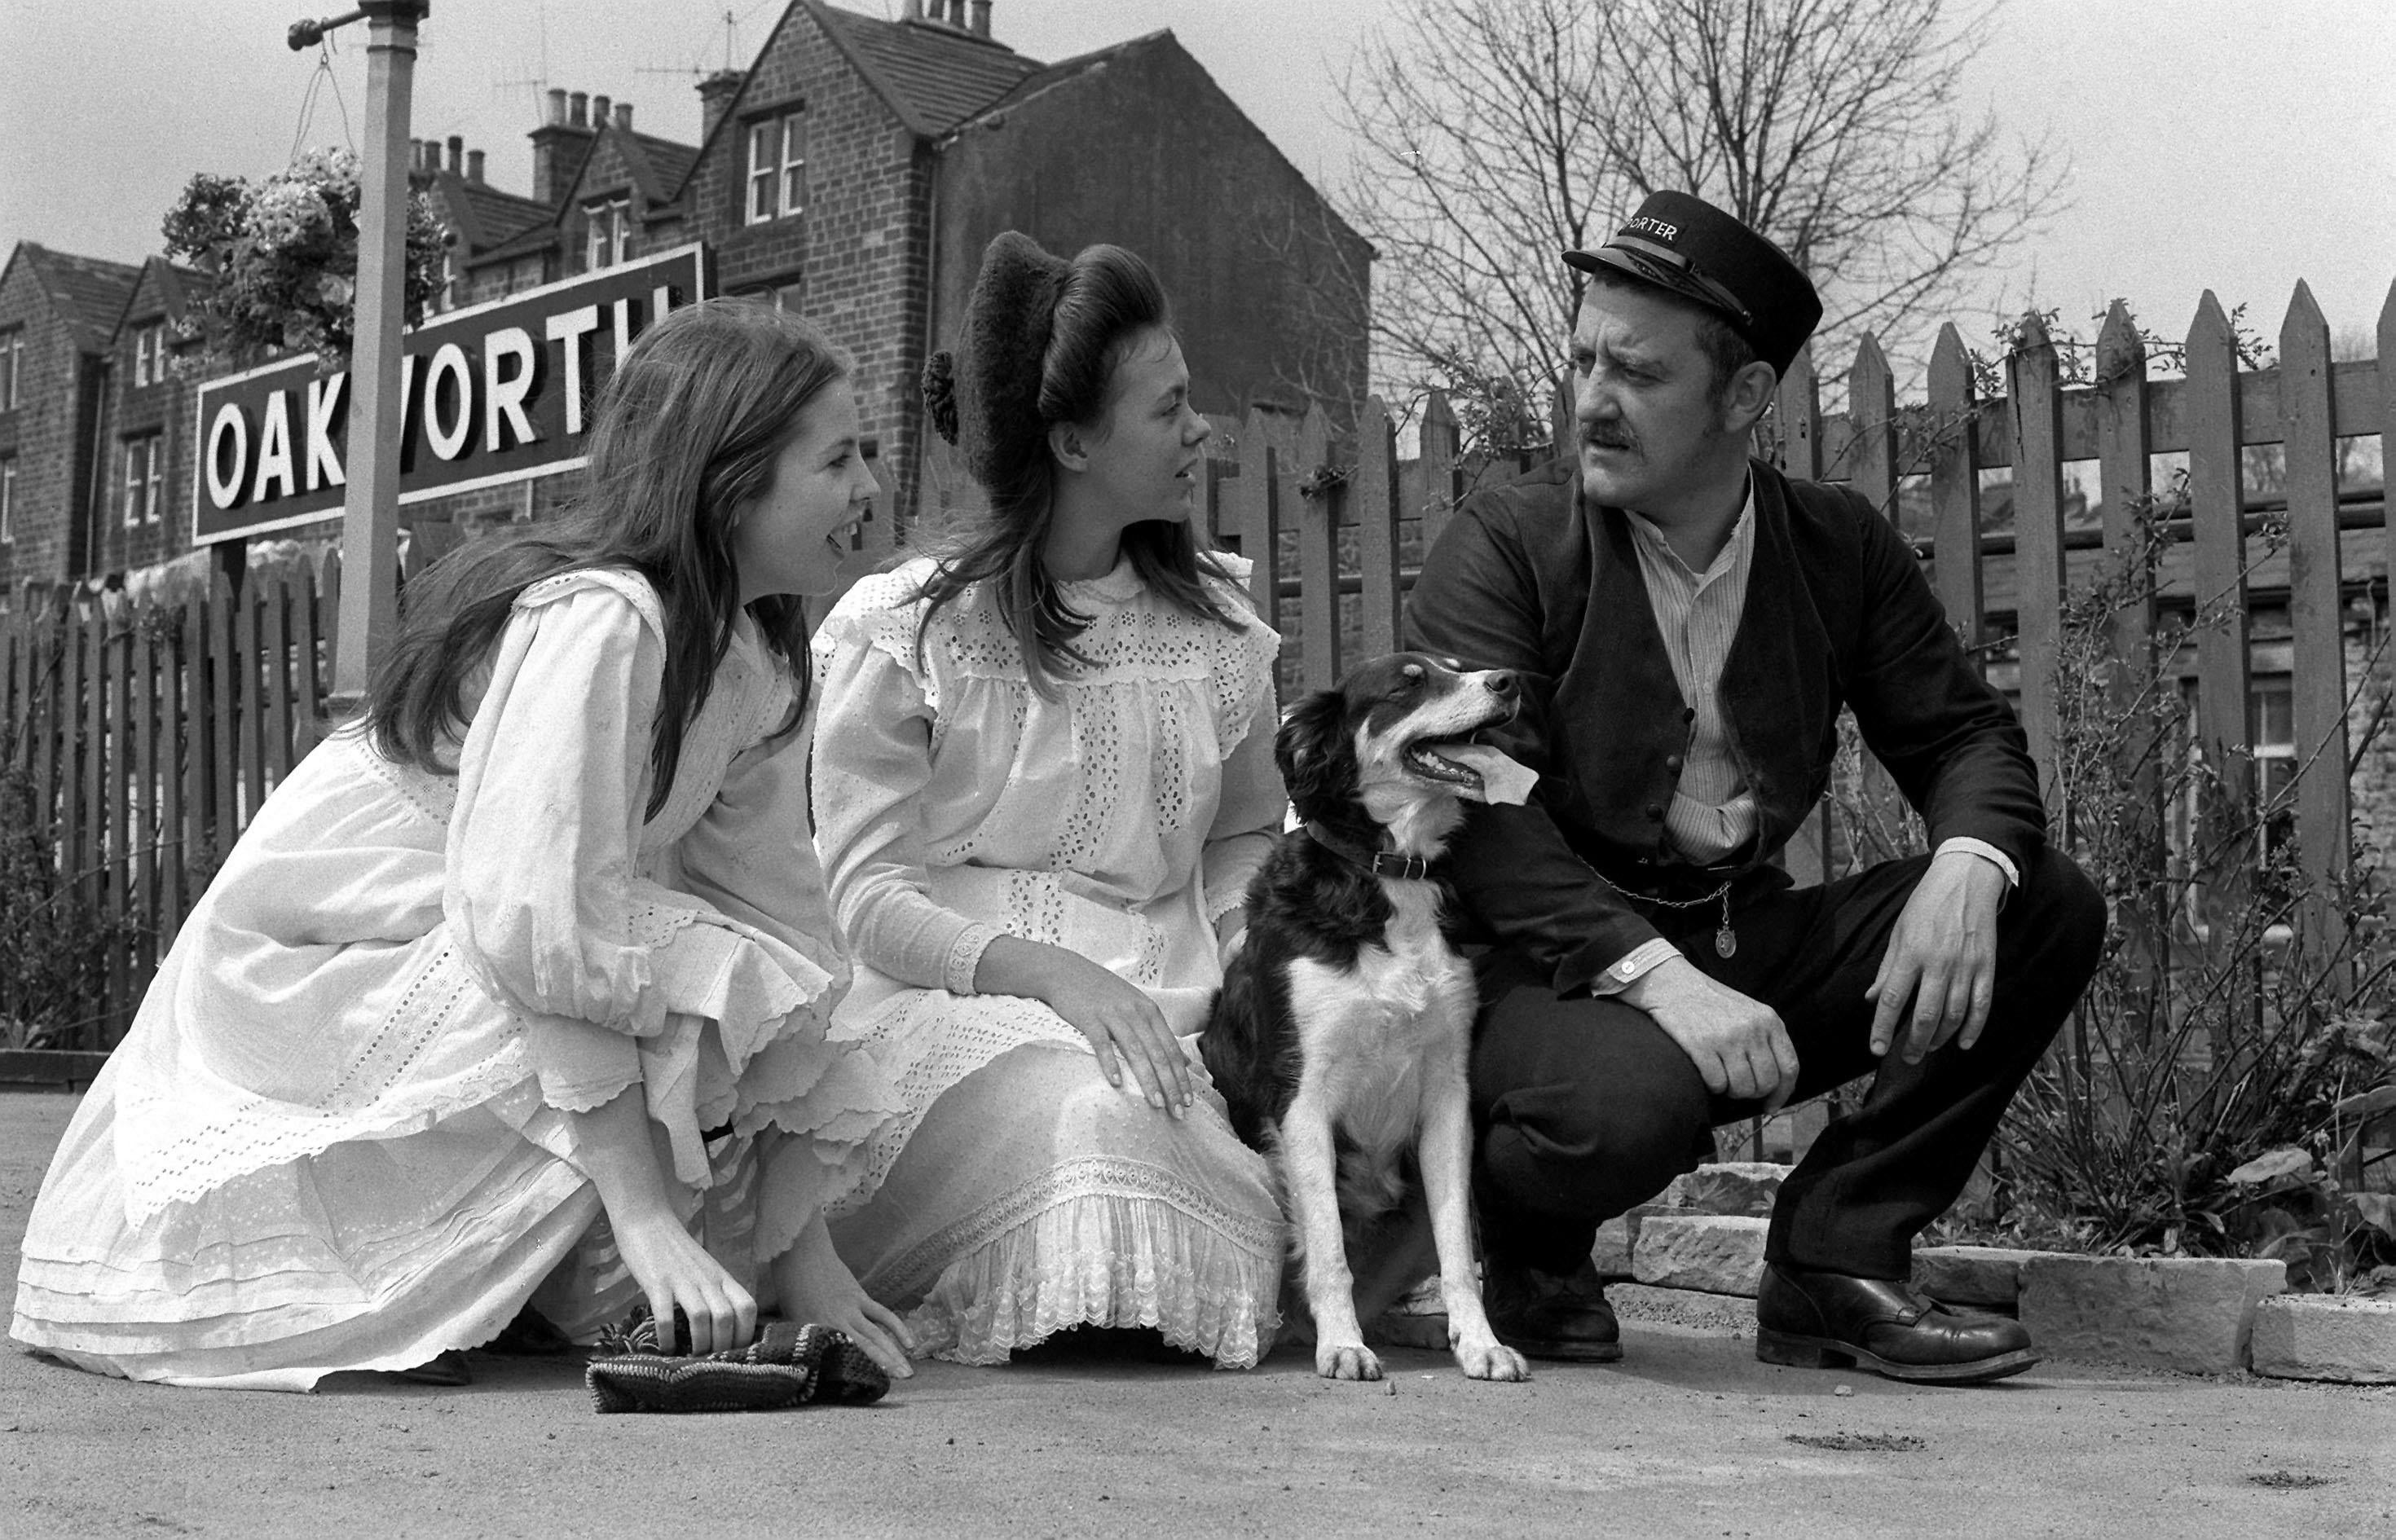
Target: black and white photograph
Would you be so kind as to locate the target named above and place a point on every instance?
(1197, 767)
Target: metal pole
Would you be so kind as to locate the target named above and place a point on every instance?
(371, 512)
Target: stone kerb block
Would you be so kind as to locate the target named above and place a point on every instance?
(1986, 1277)
(1720, 1253)
(2192, 1314)
(1745, 1187)
(2326, 1338)
(1617, 1239)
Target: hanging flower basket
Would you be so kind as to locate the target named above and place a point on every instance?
(282, 253)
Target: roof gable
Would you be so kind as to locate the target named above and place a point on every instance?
(89, 293)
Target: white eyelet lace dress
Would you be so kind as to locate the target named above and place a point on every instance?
(1019, 1193)
(335, 1136)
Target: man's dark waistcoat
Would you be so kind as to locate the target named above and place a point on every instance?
(1527, 576)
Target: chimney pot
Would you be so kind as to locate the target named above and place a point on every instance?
(601, 108)
(457, 154)
(981, 18)
(557, 106)
(624, 116)
(474, 165)
(580, 116)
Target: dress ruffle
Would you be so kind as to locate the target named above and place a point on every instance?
(1100, 1241)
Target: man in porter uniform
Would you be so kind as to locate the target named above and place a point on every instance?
(1687, 622)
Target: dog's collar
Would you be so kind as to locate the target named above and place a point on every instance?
(1381, 863)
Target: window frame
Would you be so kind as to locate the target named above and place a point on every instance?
(149, 354)
(12, 368)
(613, 216)
(145, 476)
(768, 182)
(7, 499)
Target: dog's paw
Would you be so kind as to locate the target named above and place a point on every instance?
(1348, 1362)
(1491, 1360)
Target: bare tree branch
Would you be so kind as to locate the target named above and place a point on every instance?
(1494, 134)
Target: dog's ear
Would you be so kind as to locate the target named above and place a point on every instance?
(1312, 749)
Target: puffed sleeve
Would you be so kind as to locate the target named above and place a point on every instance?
(553, 781)
(872, 759)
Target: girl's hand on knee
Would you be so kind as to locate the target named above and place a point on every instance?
(673, 1270)
(1120, 1021)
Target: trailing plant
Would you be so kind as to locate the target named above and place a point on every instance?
(282, 253)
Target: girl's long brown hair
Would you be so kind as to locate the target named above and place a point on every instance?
(1109, 299)
(688, 429)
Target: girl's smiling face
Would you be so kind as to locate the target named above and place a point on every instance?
(795, 536)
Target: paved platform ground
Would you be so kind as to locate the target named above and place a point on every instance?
(1688, 1436)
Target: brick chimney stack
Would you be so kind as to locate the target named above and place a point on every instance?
(624, 117)
(981, 18)
(458, 155)
(474, 166)
(560, 144)
(716, 94)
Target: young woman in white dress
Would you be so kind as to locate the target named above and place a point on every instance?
(1044, 776)
(523, 991)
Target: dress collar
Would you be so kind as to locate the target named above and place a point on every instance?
(1117, 587)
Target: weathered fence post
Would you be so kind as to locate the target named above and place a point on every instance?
(1255, 504)
(2225, 853)
(1318, 551)
(1955, 491)
(2037, 410)
(1439, 444)
(1372, 495)
(2125, 480)
(2315, 616)
(1797, 408)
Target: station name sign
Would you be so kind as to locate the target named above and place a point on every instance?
(494, 394)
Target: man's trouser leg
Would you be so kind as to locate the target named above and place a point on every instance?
(1585, 1107)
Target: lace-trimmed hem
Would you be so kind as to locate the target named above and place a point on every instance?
(1102, 1242)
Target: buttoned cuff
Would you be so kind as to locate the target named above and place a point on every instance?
(1631, 964)
(1983, 848)
(964, 956)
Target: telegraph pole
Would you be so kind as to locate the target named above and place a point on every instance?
(371, 511)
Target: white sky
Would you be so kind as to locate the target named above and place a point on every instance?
(2215, 143)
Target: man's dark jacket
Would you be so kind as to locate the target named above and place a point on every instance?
(1530, 578)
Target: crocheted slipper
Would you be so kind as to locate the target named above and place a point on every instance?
(790, 1364)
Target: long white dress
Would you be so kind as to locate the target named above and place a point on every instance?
(335, 1136)
(1019, 1193)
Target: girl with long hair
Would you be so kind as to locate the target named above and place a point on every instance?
(519, 992)
(1044, 776)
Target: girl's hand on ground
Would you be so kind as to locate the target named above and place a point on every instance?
(673, 1270)
(815, 1284)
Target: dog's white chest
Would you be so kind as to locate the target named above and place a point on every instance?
(1374, 1024)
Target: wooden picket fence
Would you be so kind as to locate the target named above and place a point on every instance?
(144, 736)
(147, 735)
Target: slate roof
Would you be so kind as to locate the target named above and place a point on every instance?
(932, 75)
(658, 165)
(485, 215)
(1048, 76)
(90, 292)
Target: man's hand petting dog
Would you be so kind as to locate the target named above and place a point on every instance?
(1942, 957)
(1739, 1046)
(1123, 1025)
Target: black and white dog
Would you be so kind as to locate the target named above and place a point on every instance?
(1340, 1037)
